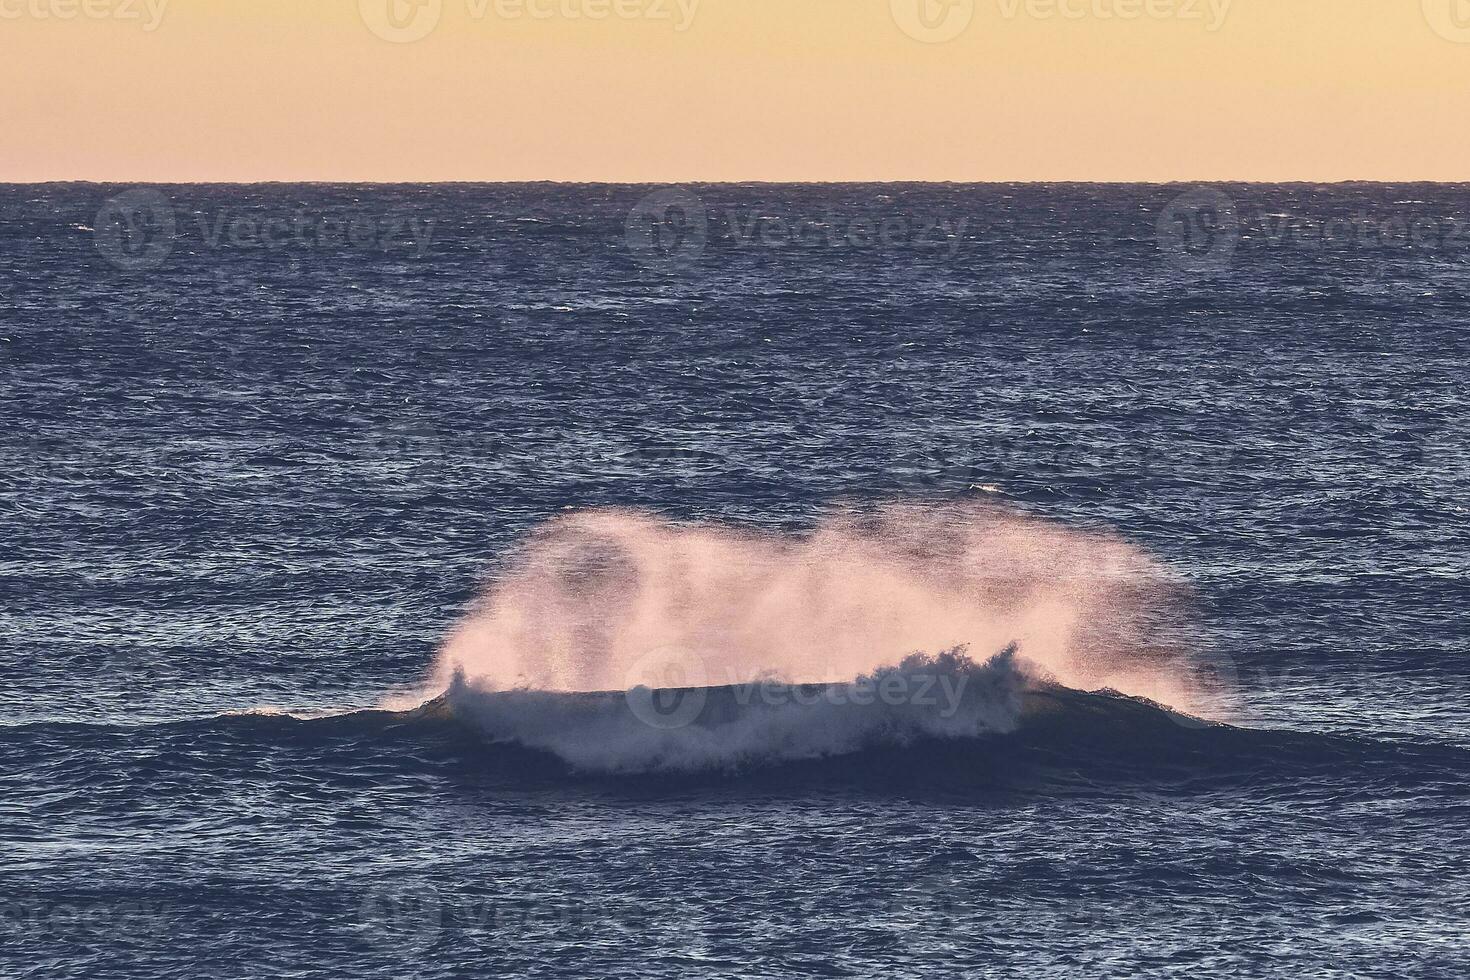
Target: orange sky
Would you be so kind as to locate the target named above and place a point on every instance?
(670, 90)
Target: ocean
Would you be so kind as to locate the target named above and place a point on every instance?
(890, 580)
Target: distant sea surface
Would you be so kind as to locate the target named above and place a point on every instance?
(264, 445)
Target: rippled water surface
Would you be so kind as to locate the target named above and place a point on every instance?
(258, 462)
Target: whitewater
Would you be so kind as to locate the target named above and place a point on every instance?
(737, 647)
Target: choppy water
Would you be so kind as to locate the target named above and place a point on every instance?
(263, 445)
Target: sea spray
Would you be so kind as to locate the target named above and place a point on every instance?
(616, 599)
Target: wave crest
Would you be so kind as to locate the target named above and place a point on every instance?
(756, 723)
(611, 599)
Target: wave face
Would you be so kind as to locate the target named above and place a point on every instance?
(610, 600)
(994, 729)
(753, 724)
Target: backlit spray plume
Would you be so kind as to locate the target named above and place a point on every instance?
(604, 600)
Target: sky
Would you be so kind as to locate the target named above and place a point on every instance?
(686, 90)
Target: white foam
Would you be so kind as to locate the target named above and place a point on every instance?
(755, 724)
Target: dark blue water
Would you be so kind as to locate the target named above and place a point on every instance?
(263, 445)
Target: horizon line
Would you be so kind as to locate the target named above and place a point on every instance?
(730, 183)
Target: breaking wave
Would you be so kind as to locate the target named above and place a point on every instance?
(612, 599)
(752, 724)
(618, 641)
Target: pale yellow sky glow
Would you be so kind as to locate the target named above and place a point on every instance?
(679, 90)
